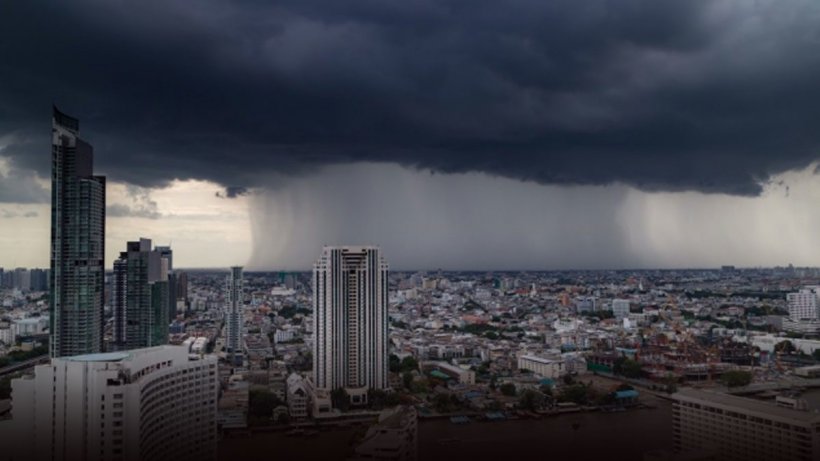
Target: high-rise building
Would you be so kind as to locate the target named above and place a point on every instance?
(804, 311)
(350, 320)
(140, 297)
(735, 427)
(155, 403)
(182, 286)
(620, 308)
(168, 255)
(39, 279)
(803, 305)
(22, 279)
(77, 275)
(234, 299)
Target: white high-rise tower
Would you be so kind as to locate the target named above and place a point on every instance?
(350, 320)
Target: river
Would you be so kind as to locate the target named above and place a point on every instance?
(611, 436)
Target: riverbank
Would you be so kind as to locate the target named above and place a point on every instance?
(619, 435)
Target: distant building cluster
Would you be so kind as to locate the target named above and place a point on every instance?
(24, 280)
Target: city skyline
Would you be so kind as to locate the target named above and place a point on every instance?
(600, 219)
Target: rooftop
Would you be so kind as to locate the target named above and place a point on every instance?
(747, 406)
(101, 357)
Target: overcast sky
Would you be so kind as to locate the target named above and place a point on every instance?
(456, 134)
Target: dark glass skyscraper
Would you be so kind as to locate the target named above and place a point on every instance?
(167, 253)
(77, 273)
(140, 296)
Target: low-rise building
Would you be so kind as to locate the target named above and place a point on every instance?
(743, 428)
(394, 437)
(464, 376)
(298, 397)
(548, 368)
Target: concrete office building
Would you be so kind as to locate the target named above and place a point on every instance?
(155, 403)
(620, 308)
(803, 305)
(804, 312)
(547, 368)
(350, 320)
(234, 299)
(139, 297)
(455, 372)
(77, 274)
(739, 428)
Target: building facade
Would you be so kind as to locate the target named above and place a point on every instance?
(350, 320)
(155, 403)
(77, 276)
(298, 397)
(547, 368)
(168, 254)
(234, 299)
(140, 297)
(620, 308)
(804, 312)
(739, 428)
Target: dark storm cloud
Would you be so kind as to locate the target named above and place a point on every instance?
(664, 95)
(233, 192)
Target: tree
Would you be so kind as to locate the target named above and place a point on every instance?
(736, 378)
(409, 364)
(785, 347)
(671, 384)
(577, 393)
(340, 399)
(261, 403)
(631, 369)
(444, 403)
(5, 388)
(508, 389)
(376, 399)
(395, 363)
(407, 379)
(531, 400)
(546, 389)
(420, 387)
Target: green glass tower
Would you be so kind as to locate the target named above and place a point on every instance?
(77, 275)
(140, 296)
